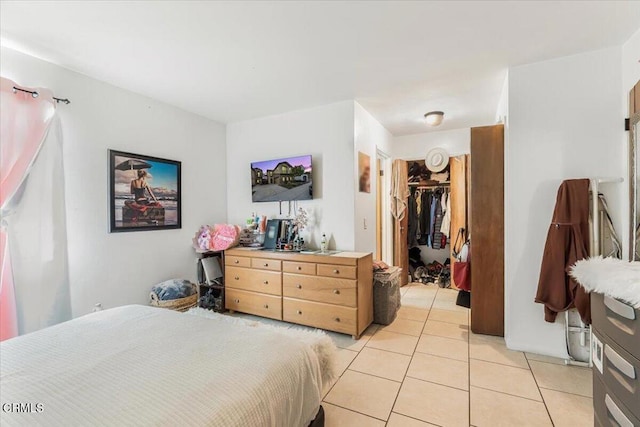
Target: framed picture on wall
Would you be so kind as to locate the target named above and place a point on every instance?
(144, 192)
(364, 173)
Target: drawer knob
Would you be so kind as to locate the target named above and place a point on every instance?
(299, 268)
(336, 271)
(299, 286)
(266, 282)
(237, 278)
(266, 306)
(299, 312)
(336, 291)
(266, 264)
(236, 261)
(337, 319)
(237, 301)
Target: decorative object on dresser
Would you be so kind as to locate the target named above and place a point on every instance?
(144, 192)
(329, 291)
(615, 313)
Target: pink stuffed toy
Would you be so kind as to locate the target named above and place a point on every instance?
(225, 236)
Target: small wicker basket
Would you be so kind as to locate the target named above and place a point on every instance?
(179, 304)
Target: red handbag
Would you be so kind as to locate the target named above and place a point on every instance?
(462, 275)
(462, 271)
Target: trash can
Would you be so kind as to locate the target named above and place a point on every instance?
(386, 295)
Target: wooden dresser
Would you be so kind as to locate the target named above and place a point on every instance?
(616, 362)
(333, 292)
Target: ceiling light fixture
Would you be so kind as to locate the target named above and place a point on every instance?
(434, 118)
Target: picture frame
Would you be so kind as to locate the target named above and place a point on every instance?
(144, 192)
(364, 173)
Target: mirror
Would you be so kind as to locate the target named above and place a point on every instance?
(634, 188)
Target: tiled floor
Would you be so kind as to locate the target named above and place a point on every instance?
(427, 369)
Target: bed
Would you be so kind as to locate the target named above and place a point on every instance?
(138, 365)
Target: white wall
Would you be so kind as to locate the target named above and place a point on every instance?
(369, 136)
(120, 268)
(630, 66)
(413, 147)
(327, 133)
(565, 121)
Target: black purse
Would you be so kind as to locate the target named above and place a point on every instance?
(460, 240)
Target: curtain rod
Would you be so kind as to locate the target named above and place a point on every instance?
(35, 94)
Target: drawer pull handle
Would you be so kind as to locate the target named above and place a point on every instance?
(620, 308)
(237, 301)
(619, 362)
(616, 413)
(266, 306)
(237, 278)
(337, 319)
(299, 286)
(236, 261)
(336, 271)
(266, 264)
(299, 312)
(299, 268)
(266, 282)
(336, 291)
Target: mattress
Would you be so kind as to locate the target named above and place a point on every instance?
(137, 365)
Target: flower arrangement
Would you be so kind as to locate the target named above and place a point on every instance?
(301, 219)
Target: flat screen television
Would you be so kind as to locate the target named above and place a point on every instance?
(282, 179)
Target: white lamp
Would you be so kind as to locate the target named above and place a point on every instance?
(434, 118)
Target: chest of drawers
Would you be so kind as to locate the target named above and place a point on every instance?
(333, 292)
(616, 367)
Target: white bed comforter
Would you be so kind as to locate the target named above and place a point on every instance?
(138, 365)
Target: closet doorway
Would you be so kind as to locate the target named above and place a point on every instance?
(473, 192)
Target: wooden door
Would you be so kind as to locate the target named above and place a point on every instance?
(400, 246)
(487, 230)
(458, 194)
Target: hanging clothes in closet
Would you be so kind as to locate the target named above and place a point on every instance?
(412, 212)
(429, 218)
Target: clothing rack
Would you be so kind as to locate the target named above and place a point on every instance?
(583, 329)
(445, 184)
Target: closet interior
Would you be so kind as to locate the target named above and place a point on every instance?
(448, 204)
(429, 224)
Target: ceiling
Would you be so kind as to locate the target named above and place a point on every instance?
(232, 61)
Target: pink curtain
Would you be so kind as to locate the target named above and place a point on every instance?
(24, 124)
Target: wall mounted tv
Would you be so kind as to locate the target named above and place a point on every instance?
(282, 179)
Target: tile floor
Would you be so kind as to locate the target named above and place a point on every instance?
(427, 369)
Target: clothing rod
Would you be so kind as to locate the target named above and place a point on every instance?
(35, 94)
(595, 208)
(417, 184)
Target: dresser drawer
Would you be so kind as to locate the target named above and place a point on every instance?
(267, 282)
(254, 303)
(299, 267)
(237, 261)
(607, 408)
(620, 374)
(324, 316)
(321, 289)
(266, 264)
(618, 321)
(344, 271)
